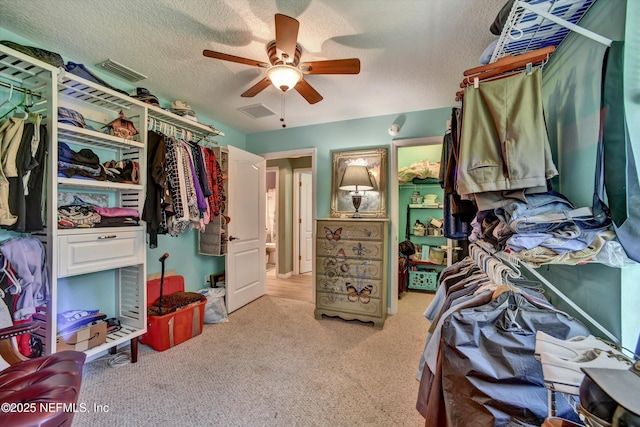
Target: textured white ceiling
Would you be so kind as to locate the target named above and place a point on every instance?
(412, 52)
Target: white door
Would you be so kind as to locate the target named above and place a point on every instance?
(246, 257)
(305, 223)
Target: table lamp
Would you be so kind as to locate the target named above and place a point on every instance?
(357, 180)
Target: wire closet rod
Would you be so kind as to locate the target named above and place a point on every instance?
(170, 129)
(20, 89)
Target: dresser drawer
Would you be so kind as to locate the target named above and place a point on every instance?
(85, 253)
(357, 269)
(351, 230)
(349, 249)
(341, 302)
(339, 285)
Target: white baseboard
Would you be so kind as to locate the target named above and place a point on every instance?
(284, 276)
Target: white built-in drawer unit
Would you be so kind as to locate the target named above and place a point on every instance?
(89, 252)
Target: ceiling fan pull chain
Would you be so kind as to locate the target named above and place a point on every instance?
(282, 110)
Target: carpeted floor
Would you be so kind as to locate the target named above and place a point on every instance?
(272, 364)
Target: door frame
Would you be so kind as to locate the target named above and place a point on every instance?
(296, 214)
(292, 154)
(277, 212)
(395, 214)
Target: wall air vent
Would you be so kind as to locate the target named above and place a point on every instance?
(121, 71)
(257, 111)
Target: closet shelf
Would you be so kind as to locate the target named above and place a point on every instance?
(180, 122)
(76, 135)
(97, 95)
(97, 185)
(527, 29)
(21, 69)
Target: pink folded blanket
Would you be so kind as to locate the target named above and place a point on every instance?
(114, 212)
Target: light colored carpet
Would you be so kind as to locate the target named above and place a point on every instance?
(272, 364)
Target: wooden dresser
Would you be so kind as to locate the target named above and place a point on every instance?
(351, 269)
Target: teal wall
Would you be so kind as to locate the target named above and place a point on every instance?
(345, 136)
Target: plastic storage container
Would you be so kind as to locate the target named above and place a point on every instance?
(423, 280)
(171, 329)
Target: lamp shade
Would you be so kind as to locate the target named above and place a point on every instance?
(284, 77)
(356, 178)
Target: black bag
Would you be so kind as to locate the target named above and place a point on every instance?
(407, 248)
(43, 55)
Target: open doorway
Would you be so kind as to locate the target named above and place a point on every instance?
(271, 216)
(292, 245)
(398, 213)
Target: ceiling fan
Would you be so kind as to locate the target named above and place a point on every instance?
(284, 69)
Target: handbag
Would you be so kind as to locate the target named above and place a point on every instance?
(407, 248)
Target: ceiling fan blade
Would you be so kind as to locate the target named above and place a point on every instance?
(257, 88)
(310, 94)
(232, 58)
(286, 34)
(335, 66)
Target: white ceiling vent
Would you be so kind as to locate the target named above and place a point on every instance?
(121, 71)
(257, 111)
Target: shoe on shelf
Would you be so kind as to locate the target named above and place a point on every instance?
(565, 376)
(568, 349)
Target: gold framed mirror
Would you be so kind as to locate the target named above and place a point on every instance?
(374, 201)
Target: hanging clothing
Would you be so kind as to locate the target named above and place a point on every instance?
(616, 157)
(27, 256)
(35, 179)
(26, 162)
(457, 213)
(479, 359)
(11, 131)
(504, 143)
(156, 187)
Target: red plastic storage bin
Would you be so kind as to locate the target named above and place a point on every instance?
(171, 329)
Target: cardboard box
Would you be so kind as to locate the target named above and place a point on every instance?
(83, 338)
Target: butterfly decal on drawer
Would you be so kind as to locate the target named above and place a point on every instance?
(333, 235)
(363, 294)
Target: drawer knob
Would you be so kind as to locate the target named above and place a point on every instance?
(111, 236)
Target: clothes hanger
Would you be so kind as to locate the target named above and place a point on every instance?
(506, 64)
(504, 67)
(18, 110)
(8, 100)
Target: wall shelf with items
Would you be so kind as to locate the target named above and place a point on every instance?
(433, 250)
(73, 253)
(119, 252)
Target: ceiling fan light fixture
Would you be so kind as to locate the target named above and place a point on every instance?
(284, 77)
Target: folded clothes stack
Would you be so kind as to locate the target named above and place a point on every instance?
(607, 393)
(183, 109)
(562, 360)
